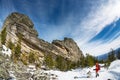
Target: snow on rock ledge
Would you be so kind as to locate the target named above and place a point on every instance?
(6, 51)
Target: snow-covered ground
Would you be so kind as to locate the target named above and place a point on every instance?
(112, 73)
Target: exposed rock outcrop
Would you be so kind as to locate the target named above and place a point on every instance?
(3, 71)
(20, 29)
(68, 48)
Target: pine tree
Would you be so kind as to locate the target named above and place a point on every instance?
(82, 62)
(118, 55)
(49, 61)
(59, 62)
(90, 60)
(17, 51)
(3, 36)
(10, 45)
(31, 57)
(111, 57)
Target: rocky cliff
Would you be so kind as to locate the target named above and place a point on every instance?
(68, 48)
(20, 30)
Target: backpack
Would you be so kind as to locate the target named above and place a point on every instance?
(98, 67)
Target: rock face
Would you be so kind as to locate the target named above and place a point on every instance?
(3, 71)
(20, 28)
(68, 48)
(9, 70)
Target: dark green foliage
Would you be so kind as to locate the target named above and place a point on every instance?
(17, 51)
(111, 57)
(20, 36)
(34, 58)
(61, 63)
(3, 36)
(88, 61)
(31, 57)
(72, 65)
(65, 64)
(49, 61)
(101, 61)
(10, 45)
(118, 55)
(83, 62)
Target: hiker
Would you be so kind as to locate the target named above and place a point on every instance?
(97, 69)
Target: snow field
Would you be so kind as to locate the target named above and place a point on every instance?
(113, 73)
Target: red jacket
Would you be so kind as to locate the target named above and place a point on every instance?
(97, 67)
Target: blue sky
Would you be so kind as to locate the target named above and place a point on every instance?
(93, 24)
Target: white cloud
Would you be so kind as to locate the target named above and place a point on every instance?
(99, 17)
(91, 25)
(104, 15)
(97, 49)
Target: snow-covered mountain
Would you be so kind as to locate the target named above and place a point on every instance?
(104, 56)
